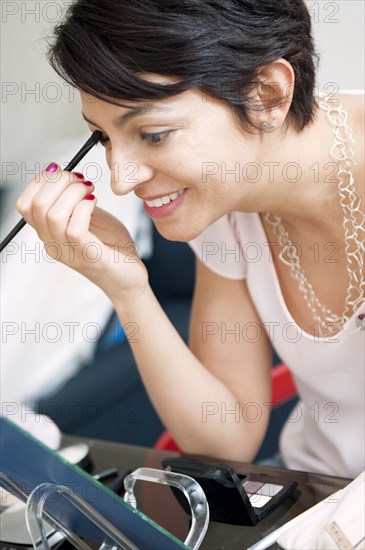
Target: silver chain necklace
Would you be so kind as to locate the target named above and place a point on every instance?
(327, 321)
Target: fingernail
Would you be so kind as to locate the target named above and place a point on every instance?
(89, 197)
(79, 175)
(88, 183)
(53, 167)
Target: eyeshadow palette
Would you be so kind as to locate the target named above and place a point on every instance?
(234, 499)
(265, 496)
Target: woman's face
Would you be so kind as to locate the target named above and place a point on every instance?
(183, 156)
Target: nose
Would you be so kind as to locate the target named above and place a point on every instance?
(126, 174)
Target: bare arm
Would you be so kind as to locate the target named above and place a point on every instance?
(194, 390)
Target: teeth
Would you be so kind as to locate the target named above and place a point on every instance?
(164, 200)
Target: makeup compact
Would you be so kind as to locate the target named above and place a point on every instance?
(265, 496)
(234, 499)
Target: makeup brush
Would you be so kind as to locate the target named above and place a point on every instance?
(93, 140)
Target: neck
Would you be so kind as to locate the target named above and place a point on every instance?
(299, 181)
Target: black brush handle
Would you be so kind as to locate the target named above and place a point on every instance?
(93, 140)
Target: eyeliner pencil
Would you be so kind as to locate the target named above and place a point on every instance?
(93, 140)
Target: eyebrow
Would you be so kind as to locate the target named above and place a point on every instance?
(121, 120)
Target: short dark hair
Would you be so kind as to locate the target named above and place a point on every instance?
(104, 46)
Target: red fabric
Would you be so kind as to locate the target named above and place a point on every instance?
(283, 389)
(166, 443)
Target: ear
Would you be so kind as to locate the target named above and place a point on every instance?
(274, 94)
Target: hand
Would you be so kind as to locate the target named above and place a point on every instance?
(62, 209)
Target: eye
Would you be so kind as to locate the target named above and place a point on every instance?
(155, 139)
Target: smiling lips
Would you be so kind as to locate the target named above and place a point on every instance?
(161, 201)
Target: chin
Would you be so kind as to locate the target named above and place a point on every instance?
(177, 232)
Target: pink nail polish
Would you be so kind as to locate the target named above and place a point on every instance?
(79, 175)
(53, 167)
(89, 197)
(88, 183)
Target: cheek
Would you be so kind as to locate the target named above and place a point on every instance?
(186, 164)
(177, 165)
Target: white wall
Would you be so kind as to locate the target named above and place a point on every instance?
(37, 108)
(339, 34)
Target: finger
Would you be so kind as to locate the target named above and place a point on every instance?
(24, 202)
(50, 180)
(77, 231)
(49, 196)
(55, 184)
(58, 216)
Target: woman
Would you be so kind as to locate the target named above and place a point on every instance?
(207, 113)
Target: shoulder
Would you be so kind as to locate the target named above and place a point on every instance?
(219, 246)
